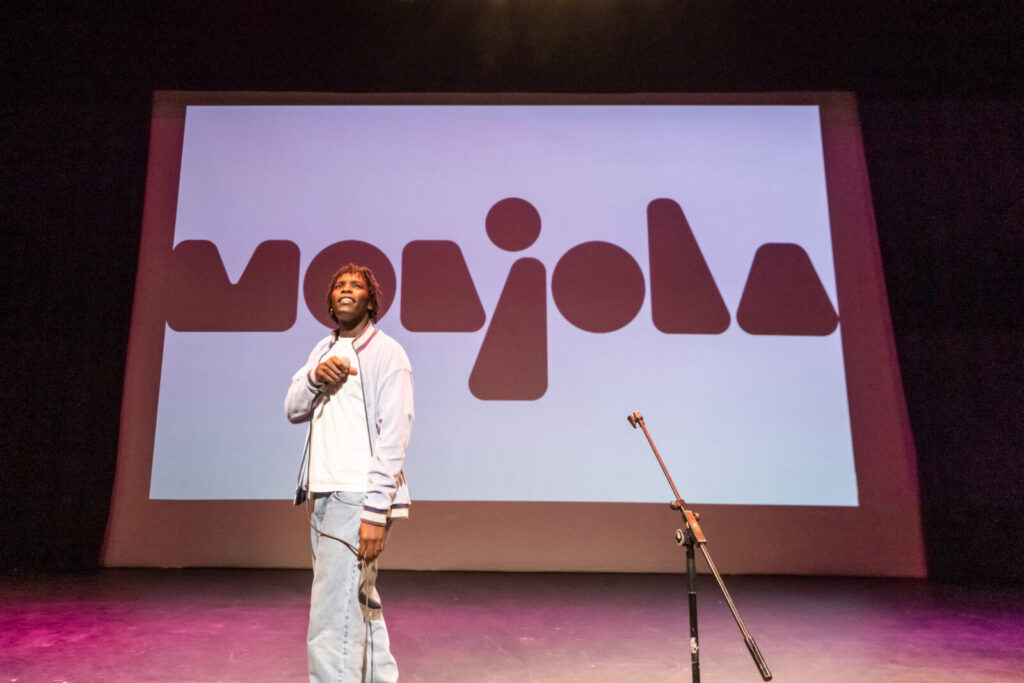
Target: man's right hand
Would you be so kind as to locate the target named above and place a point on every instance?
(334, 370)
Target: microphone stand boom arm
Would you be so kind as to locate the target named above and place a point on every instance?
(693, 536)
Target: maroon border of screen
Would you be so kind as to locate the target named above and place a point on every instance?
(881, 536)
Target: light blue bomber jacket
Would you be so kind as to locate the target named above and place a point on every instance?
(387, 395)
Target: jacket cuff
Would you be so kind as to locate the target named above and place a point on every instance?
(374, 516)
(311, 381)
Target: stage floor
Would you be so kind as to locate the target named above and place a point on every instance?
(249, 625)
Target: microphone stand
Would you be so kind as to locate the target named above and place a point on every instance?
(693, 536)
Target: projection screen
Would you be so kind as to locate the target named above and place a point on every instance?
(550, 264)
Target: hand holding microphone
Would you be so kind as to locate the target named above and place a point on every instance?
(334, 370)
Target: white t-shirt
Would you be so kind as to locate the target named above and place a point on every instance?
(339, 441)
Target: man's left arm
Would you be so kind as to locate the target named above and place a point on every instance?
(395, 416)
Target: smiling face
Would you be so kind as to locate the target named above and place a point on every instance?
(352, 302)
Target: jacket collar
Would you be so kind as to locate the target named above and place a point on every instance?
(360, 342)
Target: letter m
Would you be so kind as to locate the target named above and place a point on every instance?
(199, 297)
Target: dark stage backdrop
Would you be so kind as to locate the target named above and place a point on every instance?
(939, 87)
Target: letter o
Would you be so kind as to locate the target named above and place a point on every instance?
(598, 286)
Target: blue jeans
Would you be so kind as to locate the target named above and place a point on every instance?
(341, 646)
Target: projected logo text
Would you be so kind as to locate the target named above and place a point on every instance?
(597, 286)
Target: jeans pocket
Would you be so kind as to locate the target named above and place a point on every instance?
(319, 510)
(350, 498)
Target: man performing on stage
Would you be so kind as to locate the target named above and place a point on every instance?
(355, 390)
